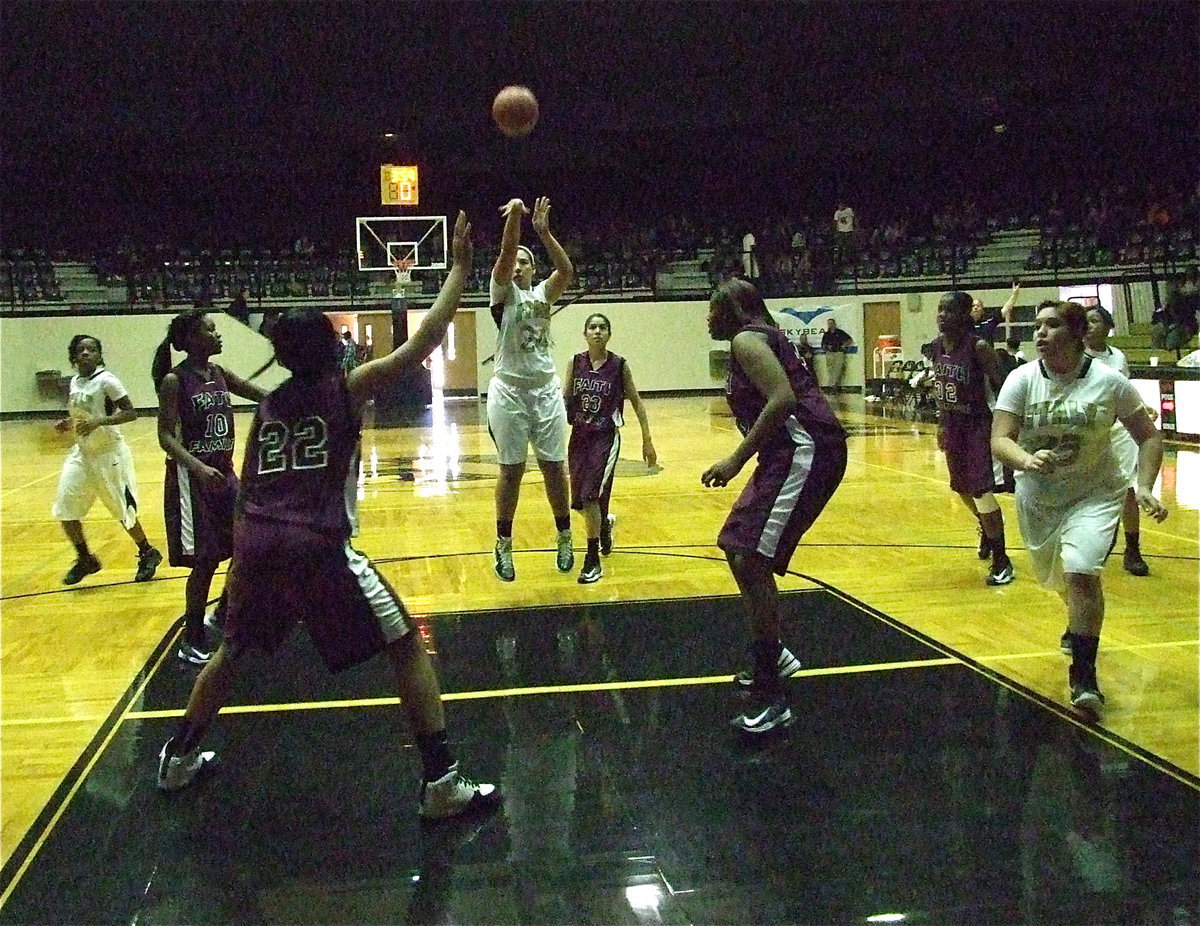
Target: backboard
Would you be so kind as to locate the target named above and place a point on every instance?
(382, 240)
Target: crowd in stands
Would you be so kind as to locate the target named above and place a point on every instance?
(1119, 226)
(784, 256)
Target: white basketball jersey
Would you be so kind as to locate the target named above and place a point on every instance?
(87, 400)
(523, 356)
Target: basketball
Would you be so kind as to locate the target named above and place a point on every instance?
(515, 111)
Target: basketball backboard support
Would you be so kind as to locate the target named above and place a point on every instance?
(382, 240)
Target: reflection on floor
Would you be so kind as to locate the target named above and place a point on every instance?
(912, 789)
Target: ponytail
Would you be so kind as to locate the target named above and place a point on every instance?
(180, 327)
(161, 365)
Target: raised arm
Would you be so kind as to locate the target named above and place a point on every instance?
(369, 378)
(648, 452)
(564, 270)
(1006, 310)
(506, 261)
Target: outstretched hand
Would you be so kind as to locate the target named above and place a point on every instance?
(541, 215)
(461, 247)
(512, 204)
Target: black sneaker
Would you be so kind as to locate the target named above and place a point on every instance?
(1067, 644)
(1134, 564)
(177, 772)
(504, 560)
(564, 556)
(985, 545)
(1001, 575)
(789, 665)
(84, 566)
(196, 655)
(606, 534)
(763, 719)
(147, 564)
(1085, 695)
(591, 572)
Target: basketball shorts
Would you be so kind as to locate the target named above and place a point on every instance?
(105, 476)
(518, 417)
(968, 446)
(786, 493)
(199, 518)
(1072, 538)
(592, 455)
(283, 574)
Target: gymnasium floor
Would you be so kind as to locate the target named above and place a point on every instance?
(933, 774)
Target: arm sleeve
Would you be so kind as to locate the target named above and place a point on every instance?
(113, 388)
(1013, 394)
(1128, 399)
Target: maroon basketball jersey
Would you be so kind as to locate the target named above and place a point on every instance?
(300, 455)
(812, 411)
(961, 382)
(205, 415)
(597, 396)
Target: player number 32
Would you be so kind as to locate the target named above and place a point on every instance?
(308, 437)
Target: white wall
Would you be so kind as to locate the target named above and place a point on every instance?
(29, 345)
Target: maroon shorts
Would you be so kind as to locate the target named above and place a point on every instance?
(285, 573)
(786, 493)
(592, 455)
(199, 518)
(967, 441)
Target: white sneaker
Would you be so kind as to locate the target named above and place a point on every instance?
(504, 560)
(452, 794)
(177, 772)
(565, 559)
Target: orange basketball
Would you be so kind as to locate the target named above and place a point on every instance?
(515, 110)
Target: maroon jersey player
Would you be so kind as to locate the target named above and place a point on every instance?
(292, 558)
(967, 375)
(801, 448)
(595, 392)
(195, 429)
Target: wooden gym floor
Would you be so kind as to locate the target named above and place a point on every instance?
(933, 769)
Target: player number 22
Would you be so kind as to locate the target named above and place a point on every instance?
(308, 439)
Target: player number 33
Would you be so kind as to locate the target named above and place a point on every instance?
(308, 437)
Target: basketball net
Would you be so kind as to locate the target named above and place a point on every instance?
(403, 269)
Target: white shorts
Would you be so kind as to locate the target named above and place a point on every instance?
(1075, 538)
(105, 476)
(518, 417)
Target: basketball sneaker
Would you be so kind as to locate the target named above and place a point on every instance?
(1085, 694)
(1066, 644)
(789, 665)
(765, 718)
(177, 772)
(196, 655)
(591, 572)
(1002, 575)
(565, 556)
(1133, 563)
(606, 534)
(147, 564)
(84, 566)
(504, 560)
(452, 794)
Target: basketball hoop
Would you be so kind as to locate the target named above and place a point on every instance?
(403, 269)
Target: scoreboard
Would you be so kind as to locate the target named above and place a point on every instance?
(398, 185)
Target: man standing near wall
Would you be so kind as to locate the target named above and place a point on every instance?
(834, 343)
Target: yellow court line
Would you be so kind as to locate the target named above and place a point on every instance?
(545, 689)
